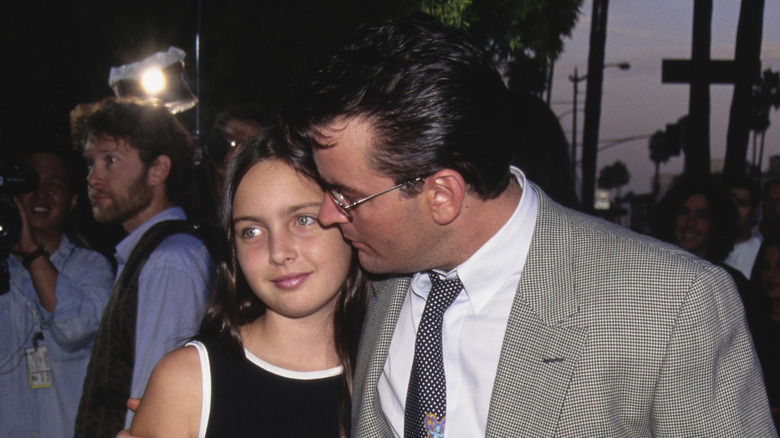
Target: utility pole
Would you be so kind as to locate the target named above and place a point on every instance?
(575, 79)
(701, 72)
(590, 134)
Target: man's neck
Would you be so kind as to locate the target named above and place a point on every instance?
(482, 220)
(141, 217)
(50, 239)
(743, 236)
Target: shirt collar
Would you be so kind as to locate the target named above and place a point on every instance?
(63, 251)
(127, 244)
(488, 269)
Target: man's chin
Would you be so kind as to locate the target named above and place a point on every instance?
(101, 216)
(371, 263)
(374, 264)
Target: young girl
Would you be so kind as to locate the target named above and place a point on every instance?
(275, 350)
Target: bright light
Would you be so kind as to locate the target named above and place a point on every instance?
(153, 81)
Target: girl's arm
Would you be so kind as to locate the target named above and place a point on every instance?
(171, 404)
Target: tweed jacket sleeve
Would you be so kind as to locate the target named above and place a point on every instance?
(611, 334)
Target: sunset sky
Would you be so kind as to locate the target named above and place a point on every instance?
(635, 102)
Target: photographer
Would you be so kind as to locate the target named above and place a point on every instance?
(49, 315)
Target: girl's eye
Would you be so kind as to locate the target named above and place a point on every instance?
(305, 220)
(250, 232)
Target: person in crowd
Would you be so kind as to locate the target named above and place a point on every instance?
(140, 160)
(700, 217)
(238, 123)
(746, 197)
(276, 349)
(770, 210)
(498, 311)
(234, 126)
(55, 295)
(766, 278)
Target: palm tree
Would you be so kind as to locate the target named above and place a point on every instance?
(614, 177)
(764, 97)
(659, 153)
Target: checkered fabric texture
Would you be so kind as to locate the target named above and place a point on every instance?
(611, 334)
(427, 385)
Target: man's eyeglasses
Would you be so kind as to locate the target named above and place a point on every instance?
(345, 204)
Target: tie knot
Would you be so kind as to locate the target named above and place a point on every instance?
(443, 291)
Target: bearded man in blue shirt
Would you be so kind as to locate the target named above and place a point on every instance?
(140, 161)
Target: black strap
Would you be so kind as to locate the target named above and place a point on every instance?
(109, 376)
(38, 252)
(151, 239)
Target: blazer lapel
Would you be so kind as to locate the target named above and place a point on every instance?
(540, 351)
(385, 303)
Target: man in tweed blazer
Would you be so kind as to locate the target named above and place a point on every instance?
(567, 325)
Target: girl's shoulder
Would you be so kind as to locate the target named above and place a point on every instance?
(171, 404)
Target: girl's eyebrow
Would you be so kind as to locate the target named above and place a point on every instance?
(292, 209)
(304, 206)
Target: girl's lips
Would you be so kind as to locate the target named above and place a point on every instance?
(290, 281)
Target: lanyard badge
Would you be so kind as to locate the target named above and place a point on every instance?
(38, 366)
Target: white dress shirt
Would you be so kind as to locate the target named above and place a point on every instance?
(743, 256)
(473, 329)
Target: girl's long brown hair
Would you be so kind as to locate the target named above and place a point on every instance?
(235, 304)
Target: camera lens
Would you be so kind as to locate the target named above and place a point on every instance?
(10, 224)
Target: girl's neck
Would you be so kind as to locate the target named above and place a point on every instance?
(293, 344)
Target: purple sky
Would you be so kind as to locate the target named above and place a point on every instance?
(635, 102)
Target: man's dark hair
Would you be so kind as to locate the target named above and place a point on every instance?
(745, 183)
(246, 111)
(150, 128)
(60, 148)
(433, 99)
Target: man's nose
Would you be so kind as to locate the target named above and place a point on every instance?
(331, 214)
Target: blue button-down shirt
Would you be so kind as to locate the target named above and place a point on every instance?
(82, 290)
(173, 288)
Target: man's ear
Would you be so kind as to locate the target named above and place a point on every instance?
(445, 191)
(159, 170)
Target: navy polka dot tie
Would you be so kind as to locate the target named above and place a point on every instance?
(426, 400)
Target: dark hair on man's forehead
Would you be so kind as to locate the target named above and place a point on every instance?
(746, 183)
(432, 96)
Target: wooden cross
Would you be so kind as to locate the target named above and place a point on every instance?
(700, 71)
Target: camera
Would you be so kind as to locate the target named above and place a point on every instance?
(14, 179)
